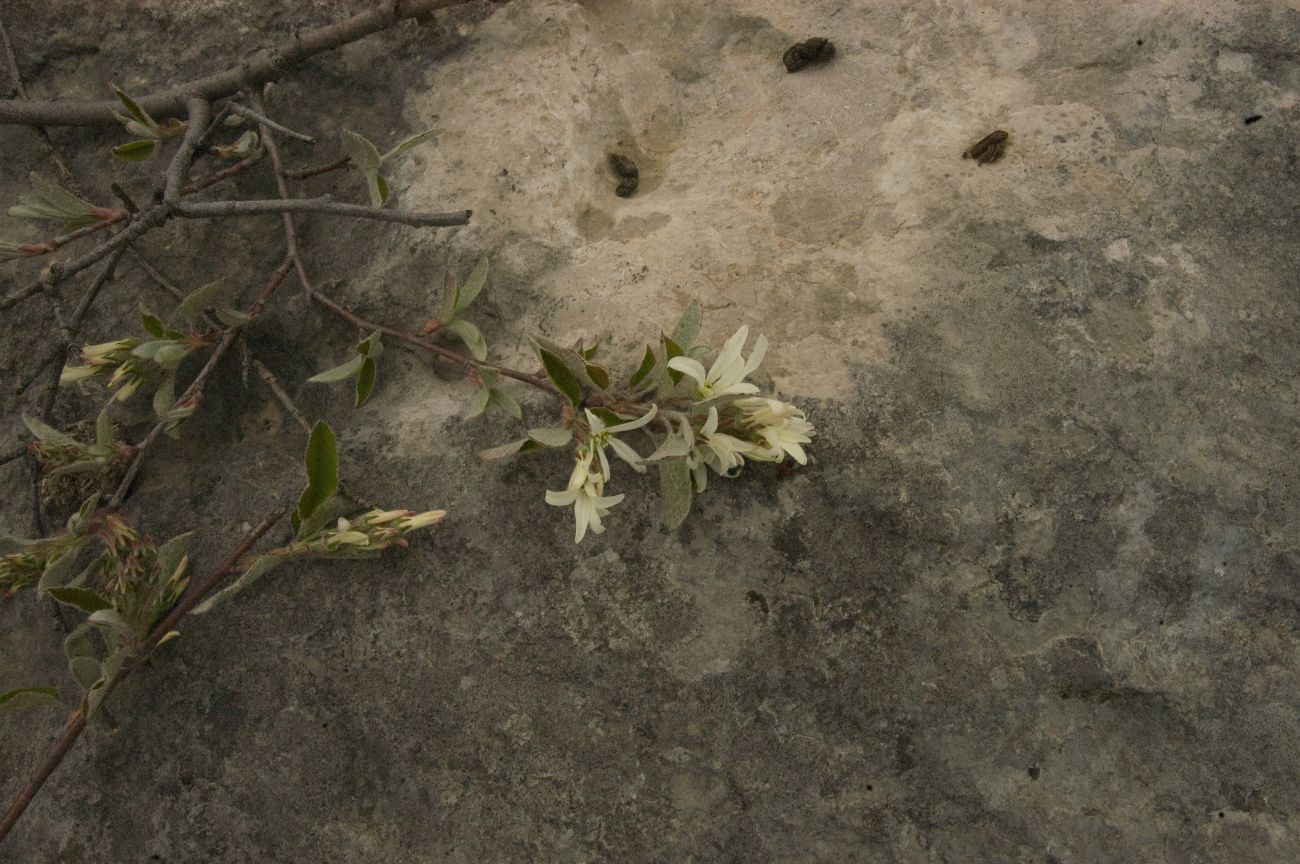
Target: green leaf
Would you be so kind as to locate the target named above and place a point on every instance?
(482, 396)
(372, 345)
(97, 692)
(58, 571)
(27, 697)
(45, 433)
(49, 200)
(473, 285)
(257, 570)
(675, 491)
(598, 376)
(322, 463)
(135, 151)
(133, 108)
(377, 188)
(104, 429)
(450, 295)
(110, 619)
(171, 555)
(233, 317)
(472, 337)
(339, 373)
(403, 146)
(366, 380)
(503, 451)
(671, 350)
(80, 598)
(561, 377)
(689, 326)
(646, 367)
(326, 514)
(551, 436)
(362, 153)
(507, 403)
(198, 300)
(85, 670)
(81, 642)
(164, 397)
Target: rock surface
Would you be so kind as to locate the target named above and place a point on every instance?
(1037, 600)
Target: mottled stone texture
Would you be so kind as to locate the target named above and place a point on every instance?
(1036, 601)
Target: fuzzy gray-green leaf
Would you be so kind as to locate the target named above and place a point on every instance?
(322, 463)
(472, 337)
(27, 697)
(675, 491)
(341, 372)
(473, 285)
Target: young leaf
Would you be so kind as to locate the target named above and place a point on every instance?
(322, 463)
(197, 300)
(503, 451)
(135, 151)
(450, 298)
(482, 396)
(689, 327)
(472, 336)
(339, 373)
(233, 317)
(473, 285)
(133, 108)
(554, 436)
(44, 433)
(259, 568)
(647, 365)
(671, 350)
(561, 377)
(372, 345)
(326, 514)
(49, 200)
(675, 491)
(507, 403)
(80, 598)
(377, 188)
(403, 146)
(362, 153)
(171, 555)
(164, 397)
(27, 697)
(58, 571)
(103, 429)
(366, 380)
(598, 376)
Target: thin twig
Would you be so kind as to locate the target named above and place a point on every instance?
(291, 242)
(216, 177)
(266, 65)
(197, 114)
(11, 60)
(304, 173)
(280, 394)
(45, 247)
(217, 209)
(76, 722)
(142, 224)
(245, 111)
(10, 455)
(196, 386)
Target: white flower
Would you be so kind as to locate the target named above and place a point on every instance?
(727, 376)
(602, 435)
(723, 453)
(585, 494)
(781, 426)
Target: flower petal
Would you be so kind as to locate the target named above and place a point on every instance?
(690, 366)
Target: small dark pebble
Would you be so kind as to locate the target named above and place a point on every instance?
(810, 52)
(988, 149)
(627, 172)
(1253, 118)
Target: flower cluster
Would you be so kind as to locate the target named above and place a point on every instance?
(369, 532)
(130, 363)
(28, 560)
(137, 579)
(708, 420)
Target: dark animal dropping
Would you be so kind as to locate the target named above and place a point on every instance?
(627, 173)
(809, 52)
(988, 149)
(1253, 118)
